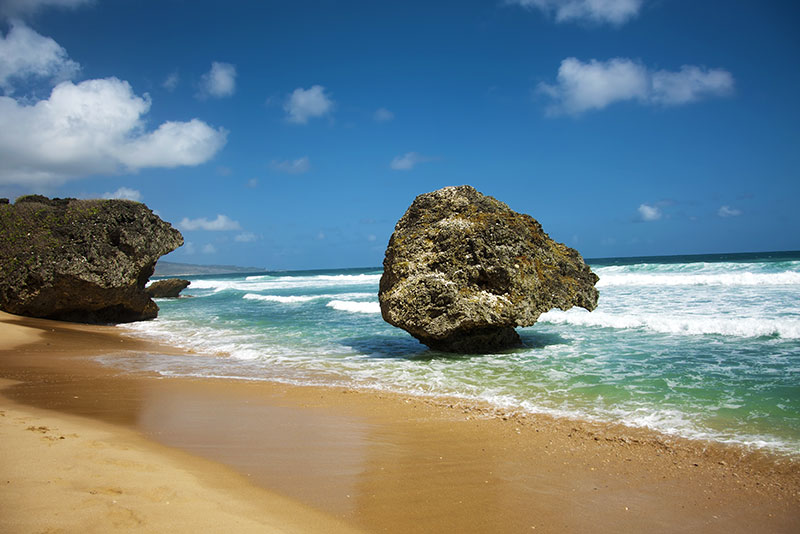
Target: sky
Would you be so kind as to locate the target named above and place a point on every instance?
(294, 135)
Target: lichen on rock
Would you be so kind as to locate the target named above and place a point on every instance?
(80, 260)
(462, 270)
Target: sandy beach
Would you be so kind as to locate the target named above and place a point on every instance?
(87, 447)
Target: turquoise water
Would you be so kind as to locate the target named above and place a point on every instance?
(695, 346)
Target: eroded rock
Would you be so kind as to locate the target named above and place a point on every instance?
(170, 288)
(80, 260)
(462, 270)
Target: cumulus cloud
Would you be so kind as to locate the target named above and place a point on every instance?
(94, 127)
(220, 224)
(614, 12)
(595, 85)
(125, 193)
(296, 166)
(246, 237)
(26, 55)
(727, 211)
(19, 8)
(304, 104)
(689, 84)
(171, 82)
(209, 249)
(219, 82)
(408, 161)
(649, 213)
(382, 115)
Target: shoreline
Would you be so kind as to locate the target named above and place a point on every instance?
(380, 461)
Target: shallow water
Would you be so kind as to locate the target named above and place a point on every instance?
(700, 347)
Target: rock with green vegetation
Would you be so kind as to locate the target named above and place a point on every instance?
(80, 260)
(167, 289)
(462, 270)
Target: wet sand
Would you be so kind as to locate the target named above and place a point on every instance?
(319, 459)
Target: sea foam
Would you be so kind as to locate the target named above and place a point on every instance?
(731, 279)
(681, 324)
(267, 283)
(355, 307)
(288, 299)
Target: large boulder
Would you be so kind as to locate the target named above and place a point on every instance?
(462, 270)
(169, 288)
(80, 260)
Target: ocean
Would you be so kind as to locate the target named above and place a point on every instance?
(701, 347)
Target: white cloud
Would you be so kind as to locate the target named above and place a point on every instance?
(597, 84)
(16, 8)
(649, 213)
(382, 115)
(727, 211)
(219, 82)
(594, 85)
(407, 161)
(304, 104)
(209, 249)
(174, 144)
(689, 84)
(94, 127)
(25, 54)
(171, 82)
(615, 12)
(220, 224)
(252, 183)
(125, 193)
(297, 166)
(246, 237)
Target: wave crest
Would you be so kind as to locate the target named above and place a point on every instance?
(731, 279)
(355, 307)
(739, 327)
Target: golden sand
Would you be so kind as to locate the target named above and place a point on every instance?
(271, 457)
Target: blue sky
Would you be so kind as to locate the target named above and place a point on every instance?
(294, 134)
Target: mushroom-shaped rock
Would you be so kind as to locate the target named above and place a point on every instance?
(462, 270)
(80, 260)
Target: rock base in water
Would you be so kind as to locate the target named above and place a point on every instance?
(477, 340)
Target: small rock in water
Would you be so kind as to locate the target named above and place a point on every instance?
(169, 288)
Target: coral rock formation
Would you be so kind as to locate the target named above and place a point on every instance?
(80, 260)
(462, 270)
